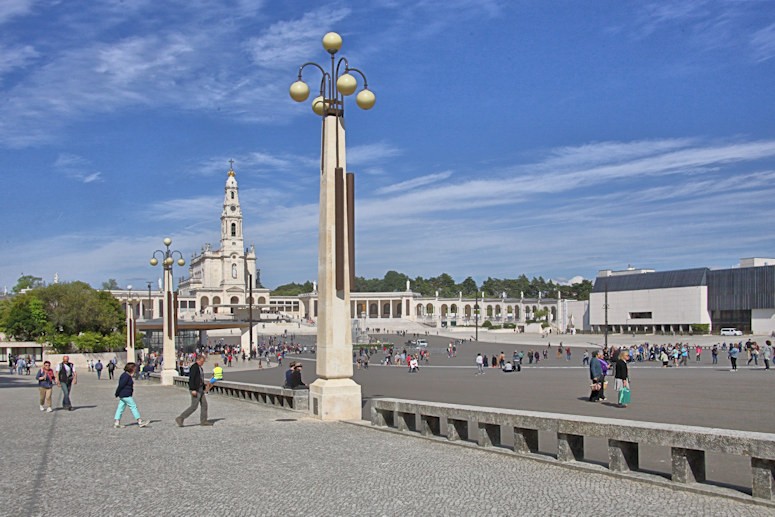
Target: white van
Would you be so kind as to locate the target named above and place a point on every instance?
(730, 331)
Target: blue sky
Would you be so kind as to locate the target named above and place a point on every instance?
(545, 138)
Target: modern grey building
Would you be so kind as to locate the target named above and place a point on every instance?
(643, 300)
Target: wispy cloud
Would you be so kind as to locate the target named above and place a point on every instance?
(11, 8)
(77, 168)
(763, 43)
(292, 42)
(370, 153)
(414, 183)
(15, 56)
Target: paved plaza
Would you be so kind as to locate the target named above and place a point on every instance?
(257, 460)
(701, 394)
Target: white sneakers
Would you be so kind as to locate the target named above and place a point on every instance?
(49, 410)
(140, 423)
(42, 408)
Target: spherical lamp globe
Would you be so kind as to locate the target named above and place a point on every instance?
(319, 105)
(365, 99)
(167, 241)
(181, 262)
(346, 84)
(168, 261)
(299, 91)
(332, 42)
(154, 262)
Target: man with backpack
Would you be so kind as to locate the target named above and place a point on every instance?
(98, 369)
(66, 378)
(111, 368)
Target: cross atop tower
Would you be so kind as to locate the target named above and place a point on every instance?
(231, 167)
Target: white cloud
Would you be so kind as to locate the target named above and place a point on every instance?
(294, 42)
(17, 56)
(414, 183)
(77, 168)
(12, 8)
(370, 153)
(763, 43)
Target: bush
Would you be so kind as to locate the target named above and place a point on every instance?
(487, 324)
(701, 328)
(509, 325)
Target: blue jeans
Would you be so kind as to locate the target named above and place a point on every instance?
(66, 403)
(99, 374)
(123, 402)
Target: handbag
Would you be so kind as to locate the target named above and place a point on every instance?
(624, 396)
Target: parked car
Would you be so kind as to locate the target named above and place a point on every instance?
(730, 331)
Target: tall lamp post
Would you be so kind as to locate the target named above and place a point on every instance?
(334, 395)
(168, 318)
(130, 327)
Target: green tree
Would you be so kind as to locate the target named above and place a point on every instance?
(27, 282)
(111, 284)
(25, 318)
(468, 287)
(76, 307)
(293, 289)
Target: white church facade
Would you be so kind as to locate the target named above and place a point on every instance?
(217, 287)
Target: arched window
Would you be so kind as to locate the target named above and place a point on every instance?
(233, 229)
(232, 194)
(234, 270)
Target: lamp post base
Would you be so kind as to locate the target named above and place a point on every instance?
(335, 399)
(168, 377)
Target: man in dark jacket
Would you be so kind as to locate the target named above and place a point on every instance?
(196, 386)
(295, 381)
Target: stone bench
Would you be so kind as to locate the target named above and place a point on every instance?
(688, 444)
(296, 400)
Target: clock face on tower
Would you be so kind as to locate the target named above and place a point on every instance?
(233, 208)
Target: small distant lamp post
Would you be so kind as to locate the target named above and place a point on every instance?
(335, 396)
(167, 257)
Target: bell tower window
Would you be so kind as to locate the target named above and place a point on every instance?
(232, 195)
(233, 229)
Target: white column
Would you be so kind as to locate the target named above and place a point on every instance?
(334, 395)
(131, 330)
(168, 329)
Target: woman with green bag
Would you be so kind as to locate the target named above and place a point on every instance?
(622, 378)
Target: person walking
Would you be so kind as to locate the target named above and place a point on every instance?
(596, 376)
(196, 387)
(734, 352)
(124, 394)
(66, 378)
(111, 369)
(767, 354)
(479, 364)
(98, 369)
(622, 378)
(45, 378)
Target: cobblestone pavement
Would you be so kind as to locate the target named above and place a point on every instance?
(265, 461)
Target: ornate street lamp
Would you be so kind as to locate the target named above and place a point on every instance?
(334, 395)
(169, 321)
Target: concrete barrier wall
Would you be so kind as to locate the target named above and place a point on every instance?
(296, 400)
(80, 360)
(688, 444)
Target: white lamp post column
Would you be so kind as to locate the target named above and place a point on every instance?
(334, 395)
(169, 322)
(131, 329)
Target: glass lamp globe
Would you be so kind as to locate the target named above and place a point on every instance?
(167, 241)
(299, 91)
(332, 42)
(346, 84)
(181, 262)
(168, 261)
(154, 261)
(319, 105)
(365, 99)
